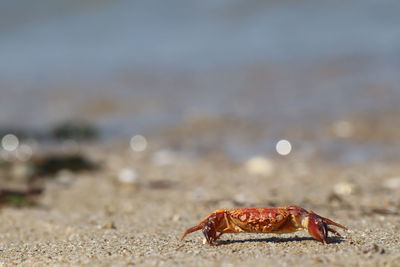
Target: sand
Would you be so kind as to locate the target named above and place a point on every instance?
(94, 218)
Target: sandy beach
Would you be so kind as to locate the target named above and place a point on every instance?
(134, 208)
(124, 123)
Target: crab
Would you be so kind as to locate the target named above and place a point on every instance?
(277, 220)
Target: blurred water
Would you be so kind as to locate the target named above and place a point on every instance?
(132, 66)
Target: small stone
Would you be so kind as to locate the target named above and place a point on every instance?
(109, 225)
(176, 218)
(259, 165)
(128, 176)
(64, 177)
(392, 183)
(344, 188)
(240, 198)
(164, 157)
(21, 171)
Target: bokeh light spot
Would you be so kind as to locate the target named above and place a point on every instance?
(10, 142)
(283, 147)
(138, 143)
(24, 152)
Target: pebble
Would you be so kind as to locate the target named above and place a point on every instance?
(240, 198)
(176, 218)
(109, 225)
(21, 171)
(259, 165)
(64, 177)
(164, 157)
(128, 176)
(345, 188)
(392, 183)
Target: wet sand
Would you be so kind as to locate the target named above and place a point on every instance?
(105, 218)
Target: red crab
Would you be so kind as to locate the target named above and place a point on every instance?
(264, 220)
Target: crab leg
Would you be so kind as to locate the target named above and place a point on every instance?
(209, 227)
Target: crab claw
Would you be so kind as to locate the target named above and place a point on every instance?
(318, 228)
